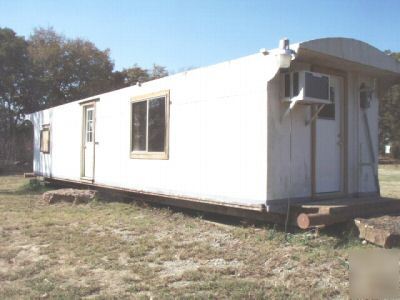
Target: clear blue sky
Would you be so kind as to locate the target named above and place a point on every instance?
(182, 34)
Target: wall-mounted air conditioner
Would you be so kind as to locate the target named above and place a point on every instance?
(305, 87)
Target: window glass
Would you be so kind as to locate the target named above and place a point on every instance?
(156, 125)
(90, 114)
(328, 111)
(89, 125)
(89, 137)
(287, 85)
(295, 84)
(139, 120)
(149, 127)
(45, 140)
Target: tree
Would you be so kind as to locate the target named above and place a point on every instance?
(15, 79)
(158, 72)
(45, 52)
(131, 76)
(389, 113)
(135, 74)
(88, 71)
(67, 69)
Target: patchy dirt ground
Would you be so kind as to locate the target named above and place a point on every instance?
(125, 250)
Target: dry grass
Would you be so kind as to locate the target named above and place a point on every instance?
(124, 250)
(389, 176)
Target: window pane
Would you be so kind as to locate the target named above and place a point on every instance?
(157, 125)
(328, 111)
(287, 85)
(139, 119)
(295, 84)
(45, 140)
(89, 137)
(42, 144)
(90, 114)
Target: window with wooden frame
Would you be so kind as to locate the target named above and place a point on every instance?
(45, 139)
(150, 126)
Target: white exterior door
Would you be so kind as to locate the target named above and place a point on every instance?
(88, 142)
(328, 142)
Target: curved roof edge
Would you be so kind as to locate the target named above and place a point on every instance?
(351, 50)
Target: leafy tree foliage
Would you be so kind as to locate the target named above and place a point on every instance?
(131, 76)
(158, 72)
(389, 113)
(135, 74)
(67, 70)
(15, 80)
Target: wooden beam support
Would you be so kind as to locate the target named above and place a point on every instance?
(305, 221)
(315, 214)
(256, 213)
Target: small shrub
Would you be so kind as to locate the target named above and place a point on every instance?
(396, 151)
(34, 185)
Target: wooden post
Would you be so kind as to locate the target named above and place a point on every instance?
(305, 221)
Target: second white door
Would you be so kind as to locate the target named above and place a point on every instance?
(328, 142)
(88, 145)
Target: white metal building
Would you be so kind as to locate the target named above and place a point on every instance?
(298, 122)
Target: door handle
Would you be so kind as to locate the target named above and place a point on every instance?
(339, 142)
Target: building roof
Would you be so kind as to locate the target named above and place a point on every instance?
(349, 54)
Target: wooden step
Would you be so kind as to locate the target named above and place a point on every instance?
(339, 205)
(331, 214)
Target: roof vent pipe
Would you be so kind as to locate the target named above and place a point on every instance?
(284, 44)
(284, 54)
